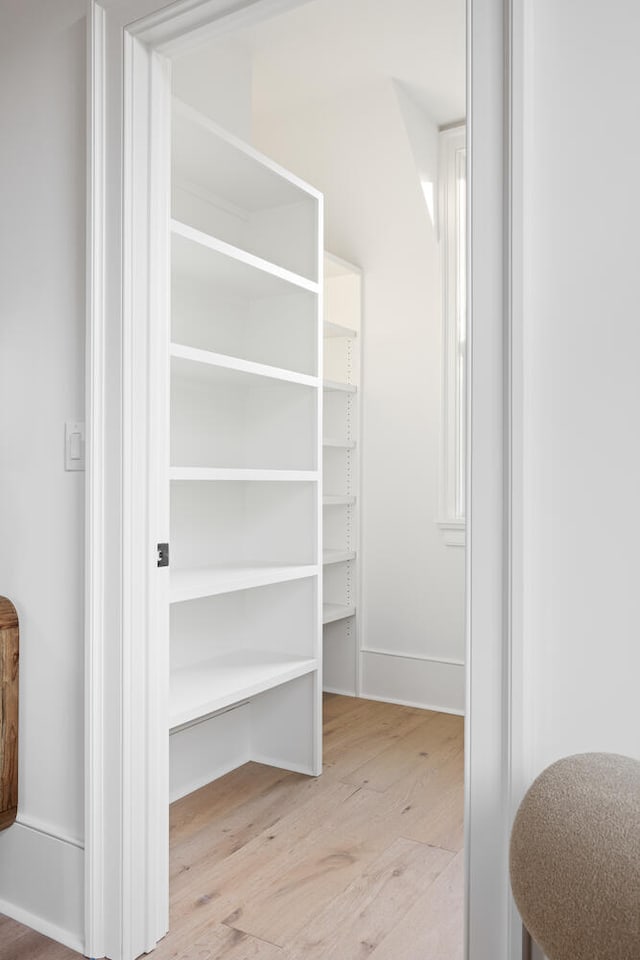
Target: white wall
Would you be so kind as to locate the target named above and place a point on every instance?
(582, 386)
(42, 317)
(355, 148)
(582, 604)
(217, 82)
(582, 381)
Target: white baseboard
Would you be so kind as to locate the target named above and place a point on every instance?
(419, 706)
(428, 684)
(340, 692)
(283, 764)
(42, 884)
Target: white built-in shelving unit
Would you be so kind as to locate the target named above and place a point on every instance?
(341, 474)
(245, 472)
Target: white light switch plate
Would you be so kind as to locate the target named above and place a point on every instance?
(73, 445)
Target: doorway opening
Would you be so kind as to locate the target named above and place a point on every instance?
(316, 484)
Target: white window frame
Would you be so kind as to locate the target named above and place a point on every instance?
(452, 199)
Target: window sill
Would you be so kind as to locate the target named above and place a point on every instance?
(453, 532)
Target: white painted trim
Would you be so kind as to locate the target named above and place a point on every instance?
(492, 421)
(520, 706)
(95, 561)
(415, 656)
(418, 681)
(453, 532)
(309, 771)
(45, 876)
(48, 830)
(145, 655)
(412, 703)
(341, 693)
(451, 141)
(177, 27)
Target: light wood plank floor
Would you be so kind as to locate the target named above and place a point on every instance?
(364, 861)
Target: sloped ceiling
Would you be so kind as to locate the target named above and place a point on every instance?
(328, 47)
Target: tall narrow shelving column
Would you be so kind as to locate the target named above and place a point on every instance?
(341, 469)
(245, 482)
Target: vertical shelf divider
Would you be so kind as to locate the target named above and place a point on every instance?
(342, 487)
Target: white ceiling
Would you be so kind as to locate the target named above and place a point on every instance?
(327, 47)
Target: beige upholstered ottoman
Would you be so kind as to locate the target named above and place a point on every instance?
(575, 858)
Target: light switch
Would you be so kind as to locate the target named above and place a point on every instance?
(73, 445)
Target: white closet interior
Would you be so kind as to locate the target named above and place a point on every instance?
(305, 423)
(341, 475)
(246, 455)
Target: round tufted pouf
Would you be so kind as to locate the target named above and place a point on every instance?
(575, 858)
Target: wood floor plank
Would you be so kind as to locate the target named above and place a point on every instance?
(213, 890)
(430, 743)
(355, 923)
(363, 741)
(432, 810)
(432, 929)
(215, 942)
(10, 931)
(300, 883)
(216, 799)
(219, 837)
(335, 705)
(303, 868)
(33, 946)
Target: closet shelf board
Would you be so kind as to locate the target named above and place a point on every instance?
(211, 581)
(193, 362)
(212, 157)
(337, 501)
(342, 444)
(336, 611)
(197, 256)
(243, 474)
(337, 330)
(341, 387)
(335, 266)
(203, 688)
(338, 556)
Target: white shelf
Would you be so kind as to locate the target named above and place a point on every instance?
(205, 363)
(338, 556)
(338, 267)
(211, 581)
(338, 501)
(336, 611)
(243, 474)
(203, 688)
(207, 155)
(337, 330)
(341, 444)
(198, 257)
(341, 387)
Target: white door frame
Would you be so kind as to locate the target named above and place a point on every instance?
(126, 656)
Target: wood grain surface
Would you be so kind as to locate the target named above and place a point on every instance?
(9, 659)
(362, 862)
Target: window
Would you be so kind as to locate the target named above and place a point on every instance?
(454, 332)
